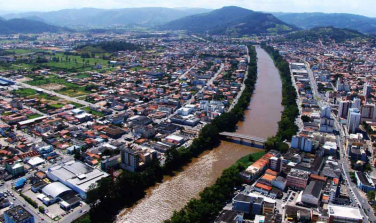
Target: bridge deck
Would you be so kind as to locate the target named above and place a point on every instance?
(242, 136)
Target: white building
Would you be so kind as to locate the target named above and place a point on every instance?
(76, 176)
(356, 103)
(326, 121)
(312, 193)
(353, 120)
(344, 214)
(367, 88)
(302, 143)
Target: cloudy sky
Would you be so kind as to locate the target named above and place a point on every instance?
(363, 7)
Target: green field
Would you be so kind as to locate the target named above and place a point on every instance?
(75, 62)
(23, 51)
(81, 75)
(54, 101)
(24, 92)
(138, 68)
(69, 89)
(33, 116)
(91, 111)
(251, 158)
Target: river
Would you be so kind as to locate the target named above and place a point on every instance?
(261, 119)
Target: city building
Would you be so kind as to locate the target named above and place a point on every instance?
(364, 182)
(76, 175)
(356, 103)
(280, 183)
(302, 143)
(275, 163)
(367, 88)
(111, 162)
(343, 109)
(368, 112)
(18, 214)
(312, 193)
(15, 168)
(129, 159)
(297, 178)
(353, 120)
(326, 121)
(344, 214)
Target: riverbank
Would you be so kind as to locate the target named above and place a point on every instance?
(287, 126)
(213, 198)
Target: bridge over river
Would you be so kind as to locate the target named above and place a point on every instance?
(242, 137)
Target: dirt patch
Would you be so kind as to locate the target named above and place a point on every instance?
(52, 87)
(25, 79)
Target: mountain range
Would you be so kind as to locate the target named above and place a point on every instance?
(92, 17)
(326, 33)
(230, 20)
(340, 20)
(14, 26)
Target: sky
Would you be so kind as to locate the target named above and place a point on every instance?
(361, 7)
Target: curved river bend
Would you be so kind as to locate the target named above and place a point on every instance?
(261, 119)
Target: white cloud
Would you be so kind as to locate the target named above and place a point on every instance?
(363, 7)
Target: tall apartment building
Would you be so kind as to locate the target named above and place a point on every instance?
(343, 109)
(129, 159)
(356, 103)
(326, 121)
(368, 111)
(353, 120)
(302, 143)
(275, 163)
(367, 88)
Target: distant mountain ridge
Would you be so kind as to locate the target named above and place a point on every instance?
(93, 17)
(326, 33)
(340, 20)
(14, 26)
(230, 20)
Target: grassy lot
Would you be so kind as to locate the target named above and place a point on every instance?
(80, 60)
(23, 51)
(54, 101)
(56, 105)
(24, 92)
(138, 68)
(76, 104)
(251, 158)
(82, 75)
(91, 111)
(33, 116)
(72, 90)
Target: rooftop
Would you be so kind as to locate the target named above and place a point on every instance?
(18, 214)
(344, 212)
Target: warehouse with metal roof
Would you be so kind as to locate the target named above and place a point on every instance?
(54, 191)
